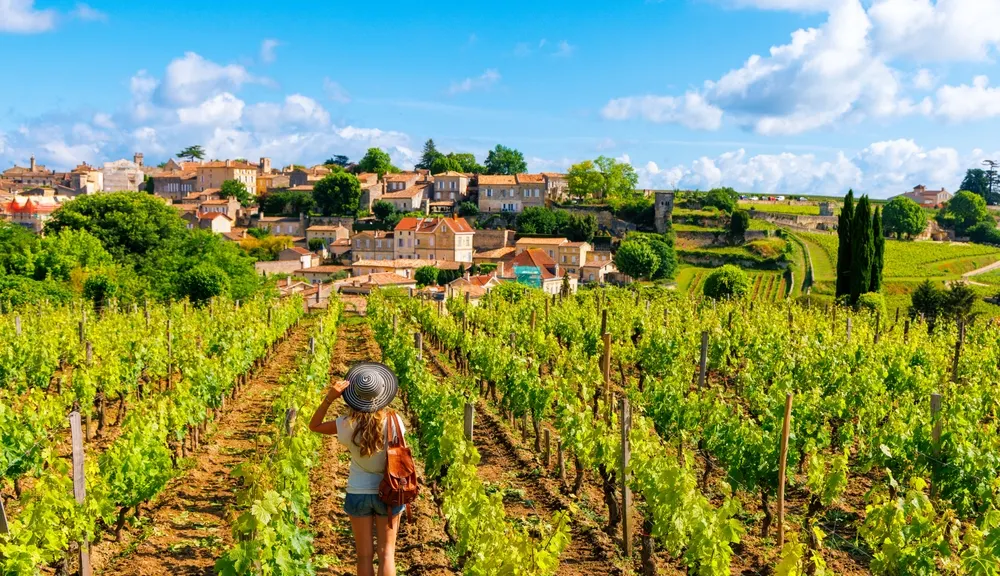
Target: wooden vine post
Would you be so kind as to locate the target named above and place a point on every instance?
(626, 426)
(703, 364)
(90, 361)
(3, 519)
(79, 484)
(469, 421)
(606, 366)
(561, 462)
(849, 326)
(17, 325)
(418, 343)
(935, 432)
(290, 416)
(170, 356)
(548, 448)
(958, 351)
(783, 459)
(312, 345)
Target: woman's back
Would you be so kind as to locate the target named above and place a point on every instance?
(366, 471)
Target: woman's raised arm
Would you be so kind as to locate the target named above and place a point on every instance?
(318, 422)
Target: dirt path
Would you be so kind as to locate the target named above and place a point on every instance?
(188, 525)
(532, 492)
(420, 548)
(983, 270)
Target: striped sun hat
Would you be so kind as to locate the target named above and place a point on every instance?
(373, 386)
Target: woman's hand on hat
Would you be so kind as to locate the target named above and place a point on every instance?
(337, 390)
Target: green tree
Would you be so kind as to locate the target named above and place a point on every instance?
(878, 256)
(467, 162)
(844, 250)
(202, 283)
(927, 300)
(442, 164)
(726, 282)
(636, 259)
(739, 223)
(238, 190)
(580, 228)
(662, 246)
(126, 223)
(503, 160)
(862, 250)
(620, 178)
(468, 209)
(192, 153)
(429, 156)
(293, 202)
(966, 209)
(378, 161)
(977, 181)
(67, 251)
(338, 193)
(316, 244)
(903, 217)
(99, 288)
(724, 199)
(383, 210)
(958, 301)
(584, 180)
(337, 160)
(426, 275)
(18, 250)
(537, 220)
(566, 288)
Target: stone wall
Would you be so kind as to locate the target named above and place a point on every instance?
(709, 238)
(797, 220)
(492, 239)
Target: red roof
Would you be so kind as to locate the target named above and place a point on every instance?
(537, 259)
(429, 225)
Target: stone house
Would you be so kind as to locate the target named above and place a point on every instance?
(228, 206)
(373, 245)
(928, 198)
(327, 233)
(534, 267)
(409, 199)
(122, 175)
(498, 193)
(307, 258)
(280, 225)
(435, 239)
(213, 174)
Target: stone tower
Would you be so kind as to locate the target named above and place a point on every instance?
(137, 158)
(664, 208)
(265, 166)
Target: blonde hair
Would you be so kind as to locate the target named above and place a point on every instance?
(368, 433)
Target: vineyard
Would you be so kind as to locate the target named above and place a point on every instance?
(611, 432)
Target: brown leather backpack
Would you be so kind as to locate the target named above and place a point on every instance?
(399, 483)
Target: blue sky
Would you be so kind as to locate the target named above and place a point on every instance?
(787, 96)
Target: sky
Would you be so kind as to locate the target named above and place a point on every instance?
(775, 96)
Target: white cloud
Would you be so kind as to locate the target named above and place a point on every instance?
(690, 110)
(881, 169)
(103, 120)
(565, 50)
(219, 110)
(484, 81)
(936, 31)
(267, 48)
(964, 102)
(334, 91)
(297, 111)
(924, 79)
(88, 13)
(192, 79)
(21, 16)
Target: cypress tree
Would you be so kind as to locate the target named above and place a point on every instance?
(844, 245)
(862, 250)
(879, 262)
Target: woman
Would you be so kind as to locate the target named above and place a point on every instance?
(367, 390)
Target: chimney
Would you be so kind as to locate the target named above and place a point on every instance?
(32, 162)
(427, 207)
(137, 158)
(229, 163)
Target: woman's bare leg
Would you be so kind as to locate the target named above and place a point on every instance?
(362, 528)
(385, 538)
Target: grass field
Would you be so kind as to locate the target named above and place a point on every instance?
(797, 208)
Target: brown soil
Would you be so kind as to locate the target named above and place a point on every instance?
(420, 547)
(187, 527)
(533, 492)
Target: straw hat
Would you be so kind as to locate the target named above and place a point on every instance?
(373, 386)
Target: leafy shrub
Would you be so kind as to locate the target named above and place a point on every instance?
(739, 224)
(727, 282)
(768, 247)
(872, 302)
(985, 233)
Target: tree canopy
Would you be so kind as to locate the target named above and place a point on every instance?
(378, 161)
(862, 250)
(238, 190)
(429, 156)
(507, 161)
(739, 223)
(192, 153)
(602, 178)
(977, 181)
(903, 218)
(965, 210)
(277, 202)
(724, 199)
(337, 160)
(636, 259)
(338, 194)
(726, 282)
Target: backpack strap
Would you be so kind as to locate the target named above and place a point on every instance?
(393, 432)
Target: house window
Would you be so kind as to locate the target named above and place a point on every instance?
(440, 184)
(368, 243)
(564, 258)
(574, 259)
(454, 185)
(550, 254)
(400, 242)
(489, 192)
(591, 277)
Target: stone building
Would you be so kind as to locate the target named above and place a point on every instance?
(663, 209)
(122, 175)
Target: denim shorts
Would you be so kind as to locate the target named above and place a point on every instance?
(365, 505)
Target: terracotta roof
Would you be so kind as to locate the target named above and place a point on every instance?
(407, 264)
(374, 234)
(575, 244)
(496, 253)
(406, 193)
(326, 269)
(598, 263)
(553, 241)
(325, 228)
(302, 188)
(213, 216)
(219, 202)
(400, 177)
(453, 174)
(496, 180)
(530, 179)
(429, 225)
(298, 250)
(537, 259)
(553, 175)
(240, 165)
(475, 292)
